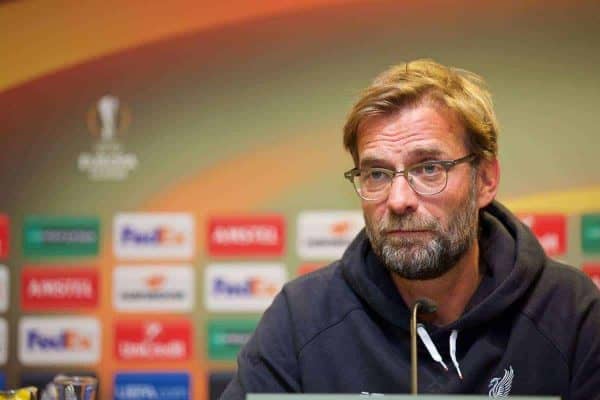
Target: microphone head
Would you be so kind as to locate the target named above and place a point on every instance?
(426, 306)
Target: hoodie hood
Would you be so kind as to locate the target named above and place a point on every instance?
(510, 256)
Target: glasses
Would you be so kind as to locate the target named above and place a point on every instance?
(427, 178)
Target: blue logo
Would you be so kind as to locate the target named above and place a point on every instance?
(2, 381)
(152, 386)
(159, 236)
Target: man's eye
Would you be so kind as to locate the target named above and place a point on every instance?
(375, 175)
(427, 169)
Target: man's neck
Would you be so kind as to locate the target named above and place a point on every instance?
(451, 292)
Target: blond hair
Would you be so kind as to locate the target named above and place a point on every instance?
(422, 81)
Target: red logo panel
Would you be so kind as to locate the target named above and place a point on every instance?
(307, 268)
(148, 340)
(246, 236)
(550, 230)
(593, 271)
(4, 236)
(59, 288)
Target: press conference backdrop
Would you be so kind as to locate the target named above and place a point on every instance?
(167, 166)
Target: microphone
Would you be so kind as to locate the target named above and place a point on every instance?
(421, 306)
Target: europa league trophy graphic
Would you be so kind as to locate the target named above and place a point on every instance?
(108, 109)
(106, 119)
(108, 162)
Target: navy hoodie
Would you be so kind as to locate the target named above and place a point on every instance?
(531, 328)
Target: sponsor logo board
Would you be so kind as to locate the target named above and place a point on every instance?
(153, 288)
(590, 233)
(251, 287)
(61, 236)
(4, 288)
(307, 268)
(327, 234)
(3, 341)
(153, 340)
(152, 386)
(4, 236)
(227, 337)
(593, 271)
(59, 288)
(154, 235)
(246, 236)
(550, 230)
(59, 340)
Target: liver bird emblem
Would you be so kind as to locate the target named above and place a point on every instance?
(500, 387)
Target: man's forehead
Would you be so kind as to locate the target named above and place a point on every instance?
(423, 131)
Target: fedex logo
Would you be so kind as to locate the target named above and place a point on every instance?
(153, 340)
(154, 235)
(58, 340)
(242, 287)
(550, 230)
(246, 236)
(66, 339)
(160, 235)
(251, 287)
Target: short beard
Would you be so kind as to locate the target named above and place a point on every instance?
(416, 259)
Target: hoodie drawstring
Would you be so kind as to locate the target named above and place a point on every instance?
(453, 337)
(433, 351)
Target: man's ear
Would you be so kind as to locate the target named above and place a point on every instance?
(488, 178)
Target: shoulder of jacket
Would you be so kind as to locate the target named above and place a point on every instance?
(318, 301)
(562, 296)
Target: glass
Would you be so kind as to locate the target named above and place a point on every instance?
(427, 178)
(26, 393)
(65, 387)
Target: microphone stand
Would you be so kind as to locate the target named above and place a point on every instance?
(426, 306)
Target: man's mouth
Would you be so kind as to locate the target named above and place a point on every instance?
(401, 232)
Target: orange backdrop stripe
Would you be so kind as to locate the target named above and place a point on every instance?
(40, 37)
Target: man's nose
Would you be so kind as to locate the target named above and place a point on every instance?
(402, 198)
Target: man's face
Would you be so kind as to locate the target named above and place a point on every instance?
(416, 236)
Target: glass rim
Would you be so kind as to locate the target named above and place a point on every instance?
(75, 380)
(352, 175)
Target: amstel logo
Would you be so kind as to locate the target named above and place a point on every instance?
(58, 288)
(246, 236)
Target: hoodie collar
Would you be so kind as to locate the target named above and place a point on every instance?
(511, 259)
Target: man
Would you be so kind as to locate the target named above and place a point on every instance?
(509, 320)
